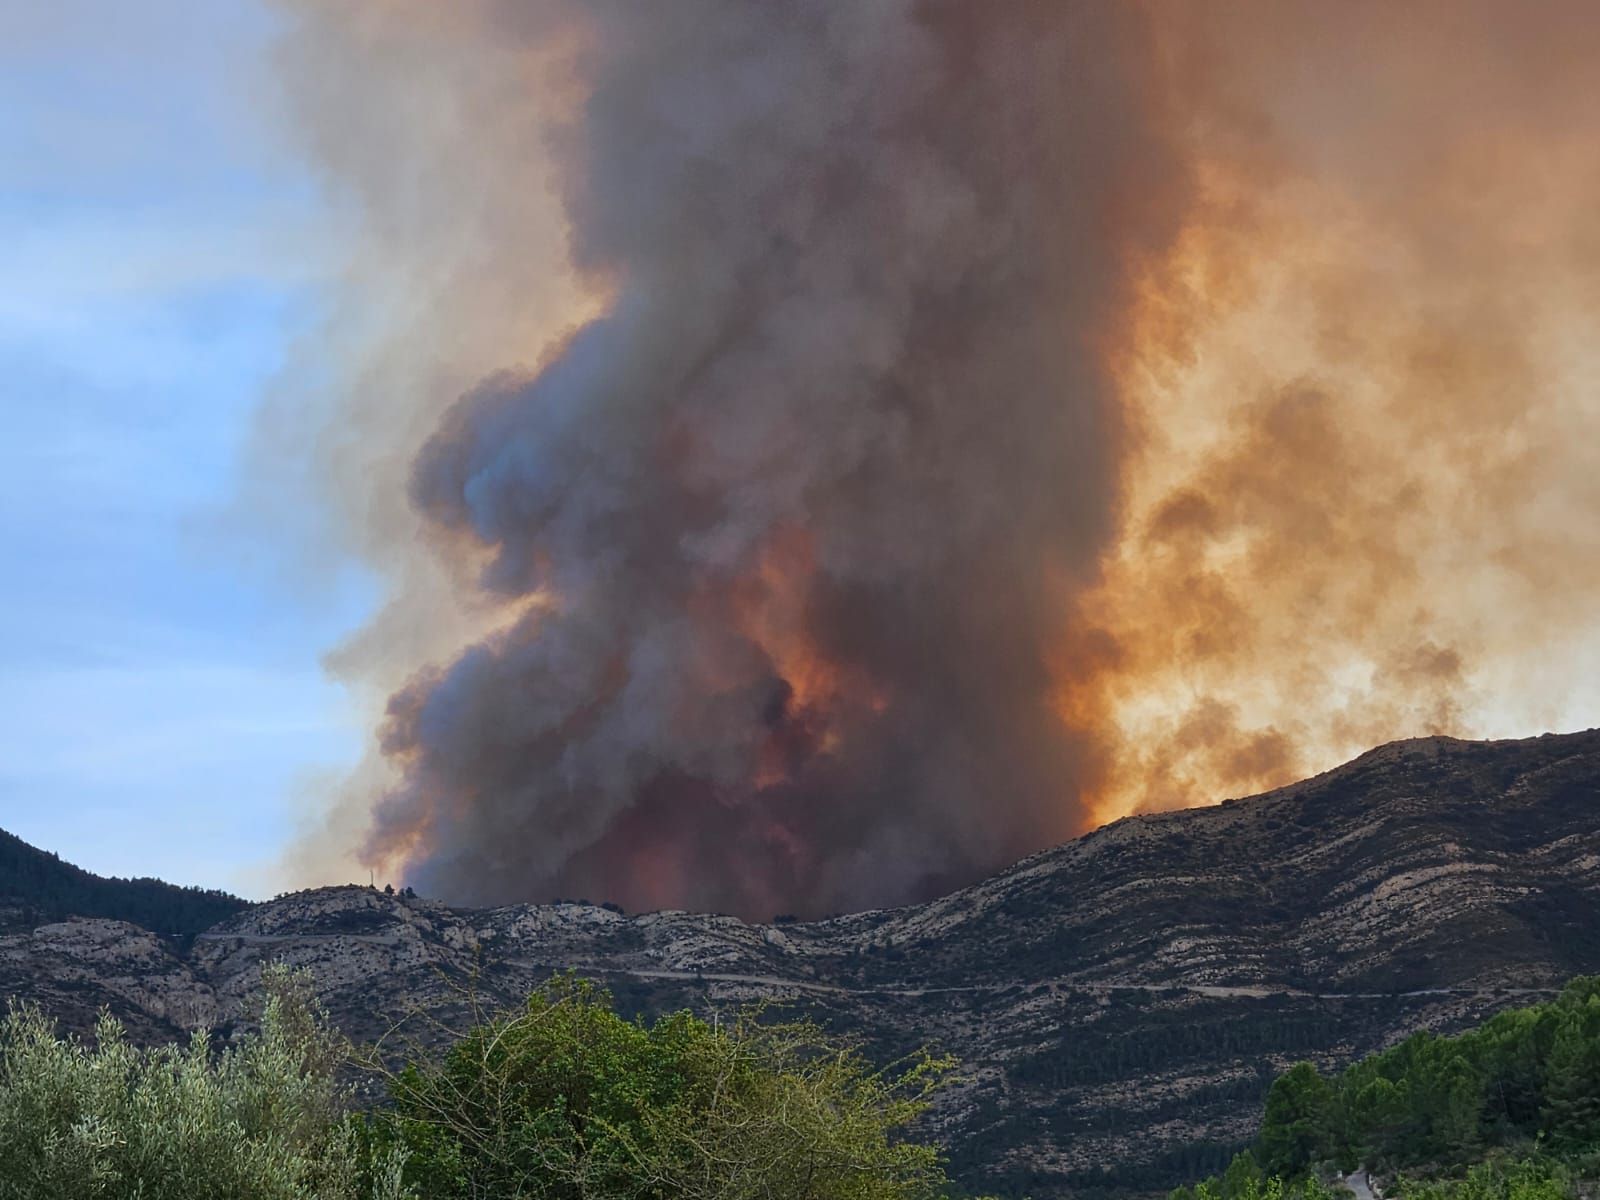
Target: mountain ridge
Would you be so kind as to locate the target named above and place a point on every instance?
(1120, 1002)
(37, 886)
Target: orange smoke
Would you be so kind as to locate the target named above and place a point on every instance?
(1362, 505)
(805, 714)
(1005, 418)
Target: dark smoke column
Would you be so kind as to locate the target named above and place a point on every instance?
(806, 510)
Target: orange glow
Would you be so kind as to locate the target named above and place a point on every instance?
(1351, 513)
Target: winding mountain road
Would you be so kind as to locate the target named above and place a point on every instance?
(1097, 987)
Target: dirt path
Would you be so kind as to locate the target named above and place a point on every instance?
(273, 939)
(1063, 985)
(1214, 991)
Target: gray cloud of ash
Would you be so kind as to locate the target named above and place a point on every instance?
(803, 504)
(825, 451)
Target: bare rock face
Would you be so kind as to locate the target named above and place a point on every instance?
(1119, 1003)
(74, 968)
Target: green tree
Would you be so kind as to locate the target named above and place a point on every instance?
(1295, 1130)
(1243, 1177)
(1515, 1045)
(1528, 1074)
(262, 1120)
(1381, 1113)
(1572, 1077)
(1244, 1181)
(1529, 1179)
(1460, 1117)
(563, 1099)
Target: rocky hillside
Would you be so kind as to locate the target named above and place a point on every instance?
(1120, 1002)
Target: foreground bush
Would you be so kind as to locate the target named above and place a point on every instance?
(1527, 1179)
(563, 1099)
(262, 1120)
(558, 1100)
(1245, 1180)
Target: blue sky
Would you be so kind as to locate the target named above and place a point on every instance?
(161, 699)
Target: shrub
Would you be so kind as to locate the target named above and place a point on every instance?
(564, 1099)
(261, 1120)
(1528, 1179)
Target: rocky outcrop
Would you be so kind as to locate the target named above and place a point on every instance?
(1119, 1003)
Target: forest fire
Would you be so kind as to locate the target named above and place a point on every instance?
(952, 425)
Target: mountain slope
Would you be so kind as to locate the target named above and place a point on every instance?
(1121, 1002)
(36, 886)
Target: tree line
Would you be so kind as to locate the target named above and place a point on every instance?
(1509, 1110)
(1526, 1074)
(44, 886)
(556, 1099)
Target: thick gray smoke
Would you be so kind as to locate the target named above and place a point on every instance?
(799, 517)
(996, 418)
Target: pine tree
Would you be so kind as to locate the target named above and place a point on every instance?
(1382, 1115)
(1572, 1077)
(1294, 1131)
(1459, 1122)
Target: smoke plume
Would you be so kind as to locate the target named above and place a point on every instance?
(1361, 505)
(948, 424)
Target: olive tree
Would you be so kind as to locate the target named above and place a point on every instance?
(262, 1119)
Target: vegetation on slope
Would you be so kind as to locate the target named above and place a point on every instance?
(1527, 1074)
(558, 1100)
(1513, 1104)
(45, 888)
